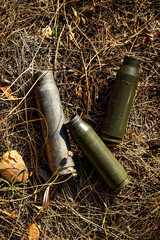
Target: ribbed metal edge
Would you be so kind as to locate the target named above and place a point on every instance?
(124, 183)
(110, 140)
(43, 76)
(133, 59)
(74, 119)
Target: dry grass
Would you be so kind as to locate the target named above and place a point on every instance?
(88, 43)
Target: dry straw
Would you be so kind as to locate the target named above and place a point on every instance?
(88, 43)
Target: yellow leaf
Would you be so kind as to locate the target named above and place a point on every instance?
(33, 232)
(6, 91)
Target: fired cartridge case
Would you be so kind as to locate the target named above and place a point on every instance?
(97, 152)
(55, 133)
(118, 110)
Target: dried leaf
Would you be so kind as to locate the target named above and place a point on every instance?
(12, 166)
(33, 232)
(70, 154)
(47, 32)
(6, 91)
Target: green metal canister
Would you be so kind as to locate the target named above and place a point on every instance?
(53, 129)
(97, 152)
(120, 103)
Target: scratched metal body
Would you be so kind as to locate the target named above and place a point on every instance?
(53, 129)
(118, 110)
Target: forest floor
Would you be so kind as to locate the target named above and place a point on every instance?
(84, 44)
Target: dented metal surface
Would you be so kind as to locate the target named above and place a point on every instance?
(53, 129)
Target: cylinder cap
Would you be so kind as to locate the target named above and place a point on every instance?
(124, 183)
(74, 119)
(132, 59)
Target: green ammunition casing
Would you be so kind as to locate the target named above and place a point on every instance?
(97, 152)
(117, 114)
(53, 129)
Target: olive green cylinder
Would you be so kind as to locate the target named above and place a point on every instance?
(120, 103)
(53, 129)
(97, 152)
